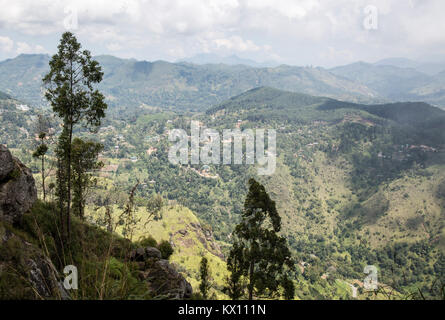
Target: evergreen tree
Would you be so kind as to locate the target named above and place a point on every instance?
(69, 90)
(259, 253)
(235, 284)
(205, 284)
(289, 288)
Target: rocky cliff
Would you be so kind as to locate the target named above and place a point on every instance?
(17, 187)
(161, 276)
(25, 272)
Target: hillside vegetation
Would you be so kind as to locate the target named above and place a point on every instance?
(355, 185)
(181, 86)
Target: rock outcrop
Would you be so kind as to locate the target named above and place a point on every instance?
(17, 187)
(153, 253)
(205, 236)
(163, 278)
(25, 272)
(165, 281)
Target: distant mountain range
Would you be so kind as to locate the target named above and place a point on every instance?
(129, 83)
(395, 82)
(208, 58)
(4, 96)
(429, 68)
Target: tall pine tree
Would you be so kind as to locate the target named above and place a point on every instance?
(259, 253)
(204, 271)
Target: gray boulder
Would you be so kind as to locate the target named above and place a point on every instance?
(142, 254)
(152, 253)
(17, 187)
(166, 282)
(6, 163)
(138, 255)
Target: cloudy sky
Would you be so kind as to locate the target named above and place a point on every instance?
(297, 32)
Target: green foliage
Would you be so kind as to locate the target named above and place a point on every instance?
(261, 252)
(441, 190)
(376, 206)
(288, 287)
(43, 132)
(154, 206)
(148, 241)
(40, 151)
(84, 161)
(166, 249)
(204, 273)
(127, 219)
(235, 283)
(100, 256)
(349, 184)
(178, 85)
(69, 90)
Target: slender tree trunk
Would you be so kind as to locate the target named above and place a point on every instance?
(70, 138)
(252, 266)
(68, 207)
(43, 178)
(82, 205)
(61, 196)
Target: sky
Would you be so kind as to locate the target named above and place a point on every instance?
(296, 32)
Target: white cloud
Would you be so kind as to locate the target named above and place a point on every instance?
(6, 44)
(23, 47)
(114, 46)
(295, 30)
(236, 43)
(286, 8)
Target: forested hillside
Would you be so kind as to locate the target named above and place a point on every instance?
(354, 185)
(130, 83)
(181, 86)
(398, 81)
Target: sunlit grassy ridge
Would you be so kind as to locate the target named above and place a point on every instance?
(190, 240)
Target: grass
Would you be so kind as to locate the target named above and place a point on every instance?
(101, 257)
(184, 231)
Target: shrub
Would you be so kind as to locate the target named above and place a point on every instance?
(166, 249)
(148, 242)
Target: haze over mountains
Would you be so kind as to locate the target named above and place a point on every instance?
(396, 83)
(431, 67)
(209, 58)
(187, 86)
